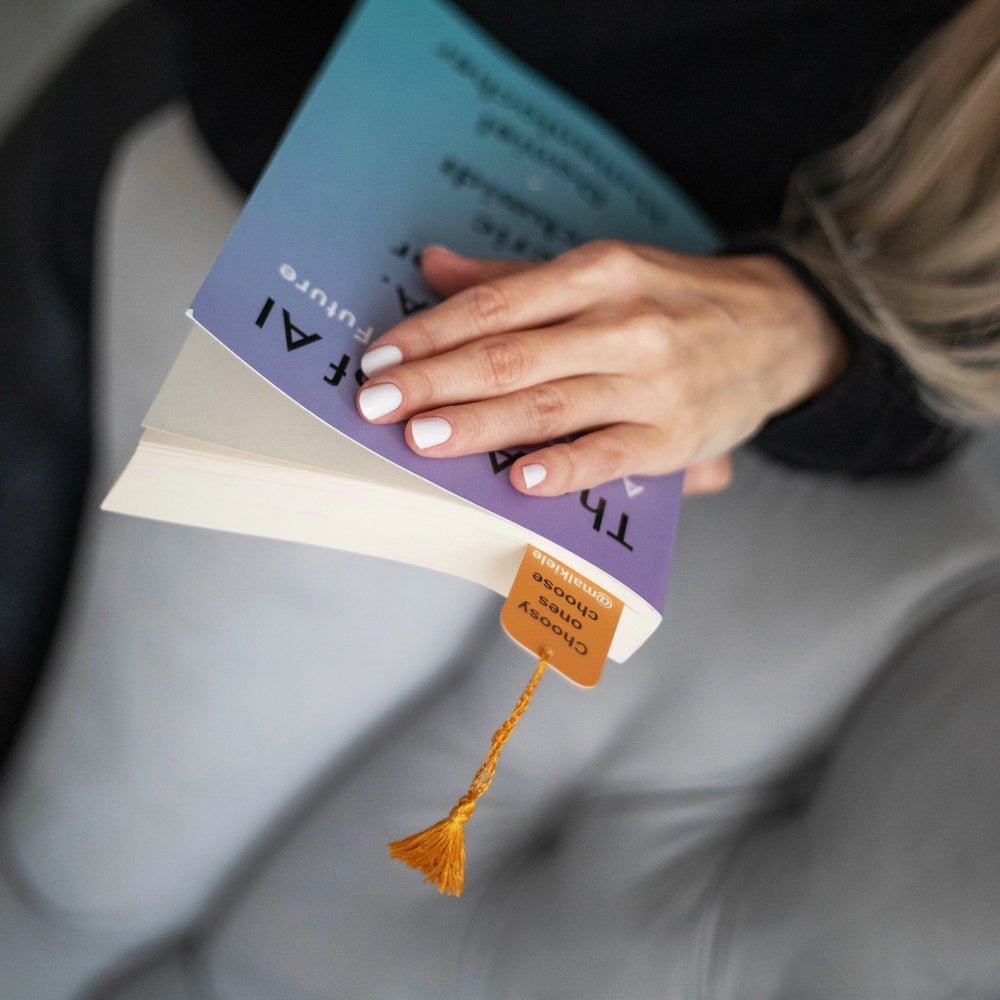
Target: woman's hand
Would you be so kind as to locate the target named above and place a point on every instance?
(650, 362)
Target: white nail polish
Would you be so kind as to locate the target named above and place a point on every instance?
(429, 431)
(378, 400)
(532, 475)
(380, 358)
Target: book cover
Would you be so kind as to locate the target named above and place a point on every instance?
(421, 129)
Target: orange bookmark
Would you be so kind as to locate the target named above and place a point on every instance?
(568, 622)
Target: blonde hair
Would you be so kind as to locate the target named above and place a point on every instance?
(902, 222)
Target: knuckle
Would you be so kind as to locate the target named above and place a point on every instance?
(650, 328)
(594, 459)
(656, 341)
(564, 465)
(568, 464)
(609, 251)
(611, 455)
(419, 386)
(488, 306)
(421, 333)
(613, 261)
(545, 411)
(505, 362)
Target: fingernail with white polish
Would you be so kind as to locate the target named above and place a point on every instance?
(380, 358)
(378, 400)
(429, 431)
(532, 475)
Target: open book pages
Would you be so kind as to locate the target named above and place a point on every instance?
(222, 449)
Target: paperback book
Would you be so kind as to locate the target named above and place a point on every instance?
(418, 129)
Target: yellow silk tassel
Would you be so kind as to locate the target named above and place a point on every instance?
(439, 851)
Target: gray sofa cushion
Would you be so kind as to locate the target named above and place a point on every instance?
(235, 728)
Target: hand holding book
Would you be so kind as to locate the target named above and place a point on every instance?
(633, 359)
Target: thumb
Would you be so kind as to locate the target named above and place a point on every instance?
(710, 476)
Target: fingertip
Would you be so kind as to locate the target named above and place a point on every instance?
(440, 251)
(549, 472)
(429, 432)
(533, 474)
(711, 476)
(446, 271)
(379, 358)
(377, 401)
(538, 475)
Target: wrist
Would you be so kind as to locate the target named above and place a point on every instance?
(809, 347)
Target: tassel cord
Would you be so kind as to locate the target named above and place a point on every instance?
(439, 851)
(488, 768)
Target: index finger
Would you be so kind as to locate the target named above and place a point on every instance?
(520, 297)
